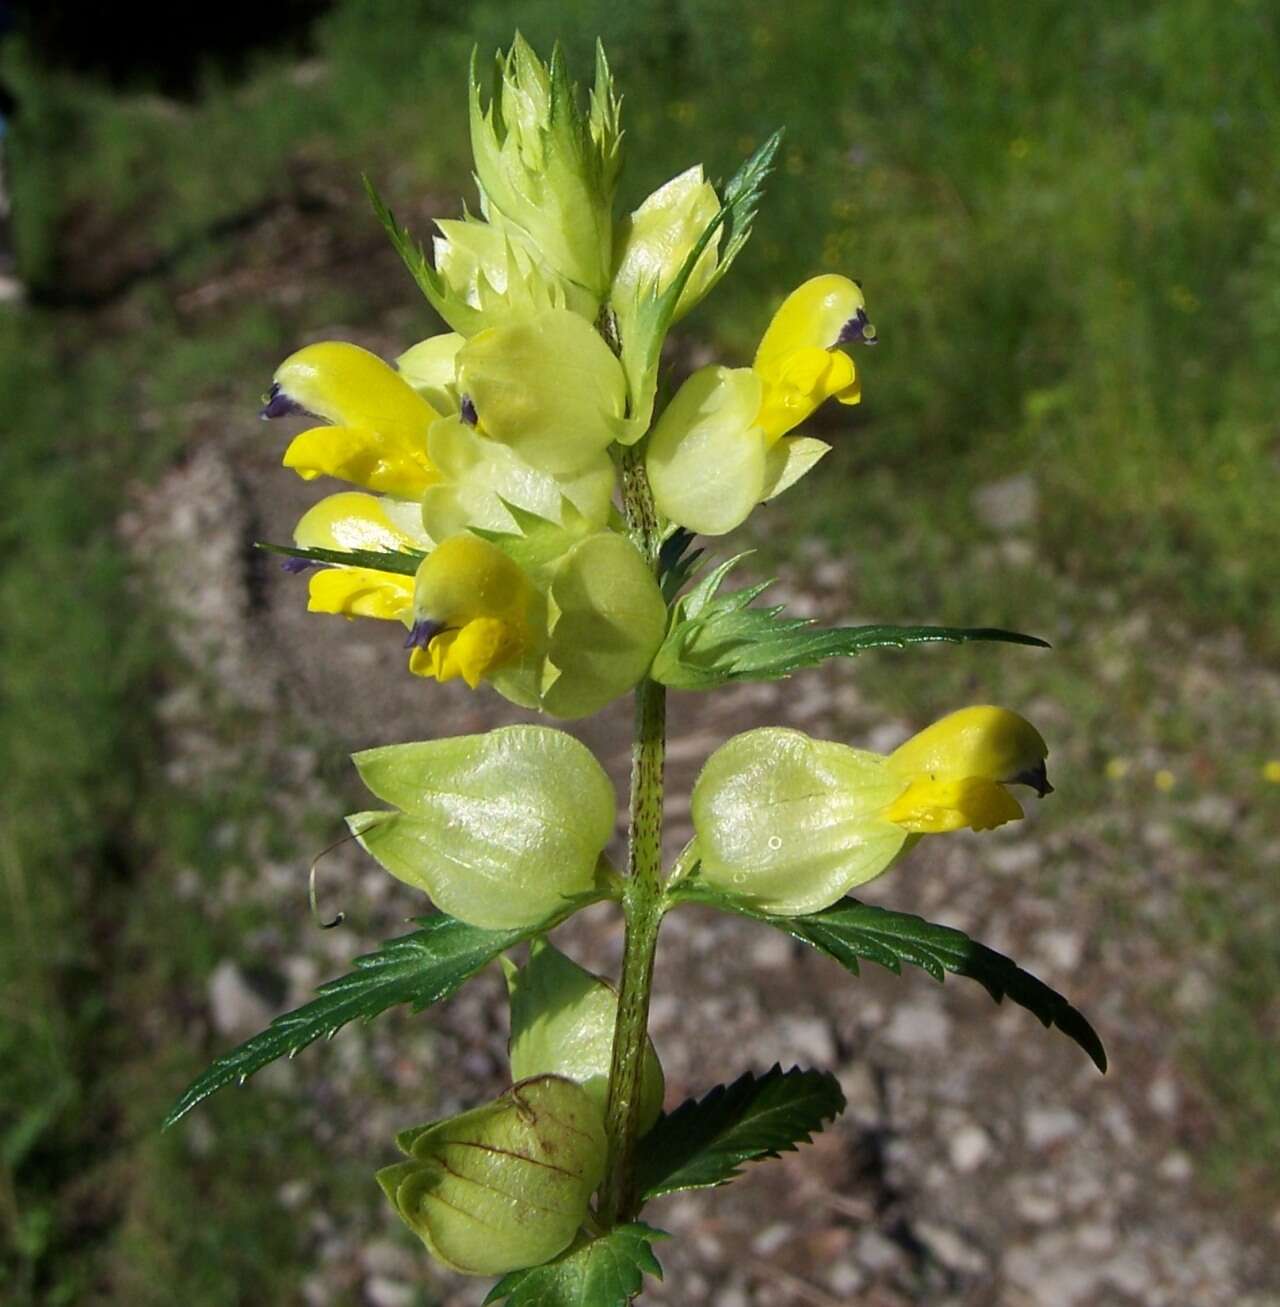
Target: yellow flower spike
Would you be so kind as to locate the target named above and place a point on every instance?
(957, 771)
(471, 609)
(800, 361)
(378, 432)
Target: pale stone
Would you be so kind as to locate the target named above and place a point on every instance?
(918, 1028)
(1008, 503)
(1045, 1127)
(969, 1147)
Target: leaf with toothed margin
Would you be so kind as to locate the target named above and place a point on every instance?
(419, 969)
(849, 930)
(716, 638)
(404, 562)
(706, 1142)
(461, 316)
(605, 1270)
(642, 344)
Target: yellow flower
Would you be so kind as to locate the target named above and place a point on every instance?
(472, 610)
(355, 521)
(376, 435)
(957, 771)
(720, 447)
(800, 362)
(791, 824)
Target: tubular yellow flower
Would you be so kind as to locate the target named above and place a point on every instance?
(472, 609)
(792, 824)
(800, 362)
(377, 432)
(957, 771)
(355, 521)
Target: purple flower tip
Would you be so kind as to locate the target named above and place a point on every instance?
(296, 565)
(468, 413)
(278, 404)
(857, 331)
(422, 632)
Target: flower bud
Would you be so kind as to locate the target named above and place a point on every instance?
(562, 1023)
(499, 829)
(547, 170)
(504, 1186)
(657, 239)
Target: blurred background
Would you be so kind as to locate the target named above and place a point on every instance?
(1067, 220)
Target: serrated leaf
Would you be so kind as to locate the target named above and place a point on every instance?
(404, 562)
(605, 1271)
(717, 638)
(705, 1142)
(420, 969)
(849, 931)
(462, 317)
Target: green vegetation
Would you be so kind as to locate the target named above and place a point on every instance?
(1065, 218)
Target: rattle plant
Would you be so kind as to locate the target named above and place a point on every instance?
(527, 497)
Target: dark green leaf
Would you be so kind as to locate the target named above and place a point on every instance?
(848, 931)
(605, 1271)
(677, 563)
(705, 1142)
(404, 562)
(716, 638)
(420, 969)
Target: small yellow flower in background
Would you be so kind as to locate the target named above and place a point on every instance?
(377, 432)
(1164, 780)
(1117, 769)
(1271, 771)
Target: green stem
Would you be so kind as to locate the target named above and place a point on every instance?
(643, 896)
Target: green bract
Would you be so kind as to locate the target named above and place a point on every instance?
(562, 1023)
(790, 824)
(498, 829)
(503, 1186)
(477, 474)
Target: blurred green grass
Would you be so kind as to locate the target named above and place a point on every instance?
(1065, 219)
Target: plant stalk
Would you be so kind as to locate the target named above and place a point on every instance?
(642, 901)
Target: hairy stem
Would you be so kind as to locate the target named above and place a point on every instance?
(643, 896)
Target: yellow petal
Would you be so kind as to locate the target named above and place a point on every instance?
(361, 456)
(797, 384)
(811, 317)
(352, 520)
(349, 386)
(983, 741)
(931, 807)
(361, 592)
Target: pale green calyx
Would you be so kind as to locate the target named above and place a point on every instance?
(791, 824)
(548, 386)
(501, 830)
(562, 1023)
(546, 168)
(506, 1185)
